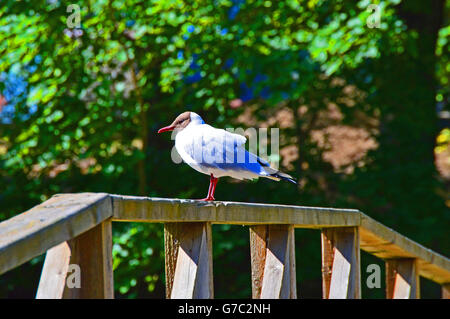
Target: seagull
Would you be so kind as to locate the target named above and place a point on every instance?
(217, 152)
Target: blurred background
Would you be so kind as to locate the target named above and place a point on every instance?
(359, 90)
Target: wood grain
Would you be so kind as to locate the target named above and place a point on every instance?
(273, 270)
(402, 279)
(57, 220)
(258, 246)
(54, 273)
(445, 291)
(327, 261)
(340, 248)
(386, 243)
(172, 231)
(66, 216)
(188, 260)
(163, 210)
(92, 252)
(376, 238)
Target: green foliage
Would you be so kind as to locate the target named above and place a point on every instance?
(99, 93)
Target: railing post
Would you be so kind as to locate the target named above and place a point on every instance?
(91, 253)
(445, 291)
(341, 278)
(188, 260)
(272, 249)
(402, 279)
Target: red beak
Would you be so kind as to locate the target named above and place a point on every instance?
(166, 129)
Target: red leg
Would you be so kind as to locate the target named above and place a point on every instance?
(211, 189)
(214, 180)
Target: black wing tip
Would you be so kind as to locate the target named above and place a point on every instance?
(293, 181)
(289, 179)
(265, 164)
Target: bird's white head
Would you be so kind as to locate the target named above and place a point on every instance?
(196, 119)
(182, 121)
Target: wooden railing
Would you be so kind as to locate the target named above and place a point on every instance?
(76, 229)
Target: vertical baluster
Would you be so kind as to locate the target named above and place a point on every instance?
(272, 249)
(445, 291)
(341, 278)
(91, 253)
(188, 260)
(402, 279)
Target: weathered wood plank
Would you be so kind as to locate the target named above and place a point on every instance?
(92, 253)
(258, 247)
(273, 262)
(340, 249)
(386, 243)
(144, 209)
(327, 261)
(445, 291)
(57, 220)
(188, 260)
(292, 282)
(375, 238)
(402, 279)
(172, 231)
(65, 216)
(54, 273)
(205, 282)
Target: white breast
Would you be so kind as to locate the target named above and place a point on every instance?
(184, 142)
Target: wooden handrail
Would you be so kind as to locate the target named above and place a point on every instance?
(66, 218)
(62, 217)
(161, 210)
(376, 238)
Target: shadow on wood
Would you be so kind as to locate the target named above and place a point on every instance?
(272, 249)
(341, 263)
(188, 260)
(402, 279)
(92, 253)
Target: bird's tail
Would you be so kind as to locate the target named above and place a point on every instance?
(280, 175)
(272, 173)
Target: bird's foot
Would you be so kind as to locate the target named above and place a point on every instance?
(207, 199)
